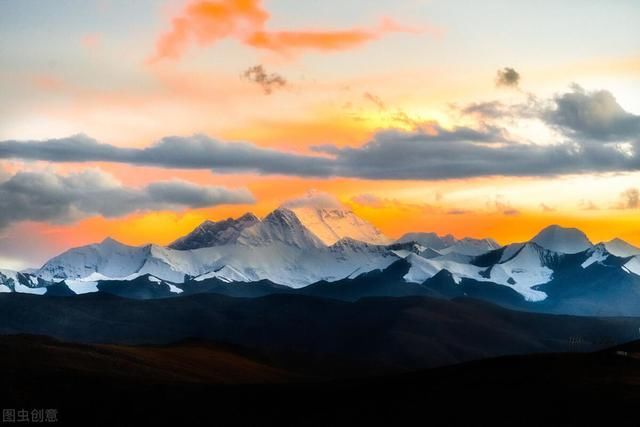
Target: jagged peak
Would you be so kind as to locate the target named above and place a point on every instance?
(284, 217)
(249, 216)
(282, 214)
(212, 233)
(280, 225)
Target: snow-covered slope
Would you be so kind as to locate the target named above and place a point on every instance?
(333, 224)
(620, 248)
(633, 265)
(510, 250)
(596, 254)
(226, 274)
(562, 240)
(13, 281)
(109, 258)
(529, 267)
(348, 253)
(526, 268)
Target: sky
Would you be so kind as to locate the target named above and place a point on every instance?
(139, 120)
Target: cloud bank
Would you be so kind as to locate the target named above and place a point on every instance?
(457, 153)
(45, 196)
(601, 137)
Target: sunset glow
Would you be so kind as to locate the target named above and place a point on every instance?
(355, 77)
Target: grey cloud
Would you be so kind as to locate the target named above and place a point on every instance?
(507, 77)
(579, 114)
(76, 148)
(430, 153)
(593, 115)
(181, 193)
(195, 152)
(268, 82)
(399, 155)
(4, 175)
(532, 108)
(44, 196)
(489, 109)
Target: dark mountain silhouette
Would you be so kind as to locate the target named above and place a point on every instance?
(394, 333)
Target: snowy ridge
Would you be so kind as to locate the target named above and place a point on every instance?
(448, 244)
(524, 270)
(109, 258)
(281, 249)
(13, 281)
(278, 248)
(226, 274)
(281, 225)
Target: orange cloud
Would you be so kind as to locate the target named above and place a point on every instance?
(207, 21)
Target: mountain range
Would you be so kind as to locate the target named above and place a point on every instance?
(333, 253)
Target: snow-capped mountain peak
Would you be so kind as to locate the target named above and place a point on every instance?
(562, 240)
(620, 248)
(281, 225)
(331, 224)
